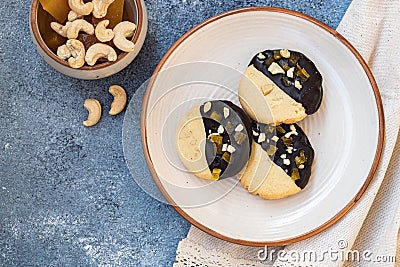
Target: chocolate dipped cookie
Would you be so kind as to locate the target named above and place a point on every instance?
(280, 86)
(280, 161)
(214, 140)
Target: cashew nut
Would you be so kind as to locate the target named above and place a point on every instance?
(59, 28)
(81, 8)
(100, 50)
(94, 108)
(72, 15)
(119, 99)
(100, 8)
(102, 33)
(63, 52)
(74, 27)
(122, 30)
(77, 50)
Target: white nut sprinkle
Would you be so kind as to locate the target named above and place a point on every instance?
(261, 138)
(285, 53)
(255, 133)
(301, 166)
(274, 68)
(298, 85)
(231, 149)
(289, 150)
(292, 132)
(283, 156)
(224, 147)
(267, 88)
(239, 128)
(261, 56)
(226, 112)
(290, 72)
(207, 107)
(275, 138)
(221, 129)
(286, 161)
(287, 135)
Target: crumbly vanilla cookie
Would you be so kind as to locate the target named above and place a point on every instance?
(214, 140)
(280, 161)
(280, 86)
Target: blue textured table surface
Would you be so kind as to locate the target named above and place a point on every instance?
(66, 195)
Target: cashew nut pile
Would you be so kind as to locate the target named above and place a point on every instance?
(74, 50)
(93, 106)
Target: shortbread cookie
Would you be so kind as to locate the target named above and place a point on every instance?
(213, 140)
(280, 86)
(280, 161)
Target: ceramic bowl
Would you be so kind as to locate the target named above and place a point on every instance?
(134, 10)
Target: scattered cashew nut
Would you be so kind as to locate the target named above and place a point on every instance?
(123, 30)
(100, 8)
(102, 33)
(120, 98)
(81, 8)
(100, 50)
(74, 27)
(77, 50)
(94, 108)
(72, 15)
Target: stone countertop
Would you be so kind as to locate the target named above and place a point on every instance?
(66, 195)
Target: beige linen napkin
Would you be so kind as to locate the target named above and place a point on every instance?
(370, 229)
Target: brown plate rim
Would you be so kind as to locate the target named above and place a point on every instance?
(335, 218)
(35, 30)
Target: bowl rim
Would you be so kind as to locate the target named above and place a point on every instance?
(340, 214)
(36, 33)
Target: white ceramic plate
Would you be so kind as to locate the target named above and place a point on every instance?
(346, 132)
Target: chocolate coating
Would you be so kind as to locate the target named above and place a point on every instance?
(299, 143)
(310, 96)
(242, 151)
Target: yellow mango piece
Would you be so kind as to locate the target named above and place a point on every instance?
(59, 9)
(52, 39)
(115, 13)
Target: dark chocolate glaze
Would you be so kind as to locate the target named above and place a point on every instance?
(236, 116)
(310, 96)
(243, 116)
(300, 143)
